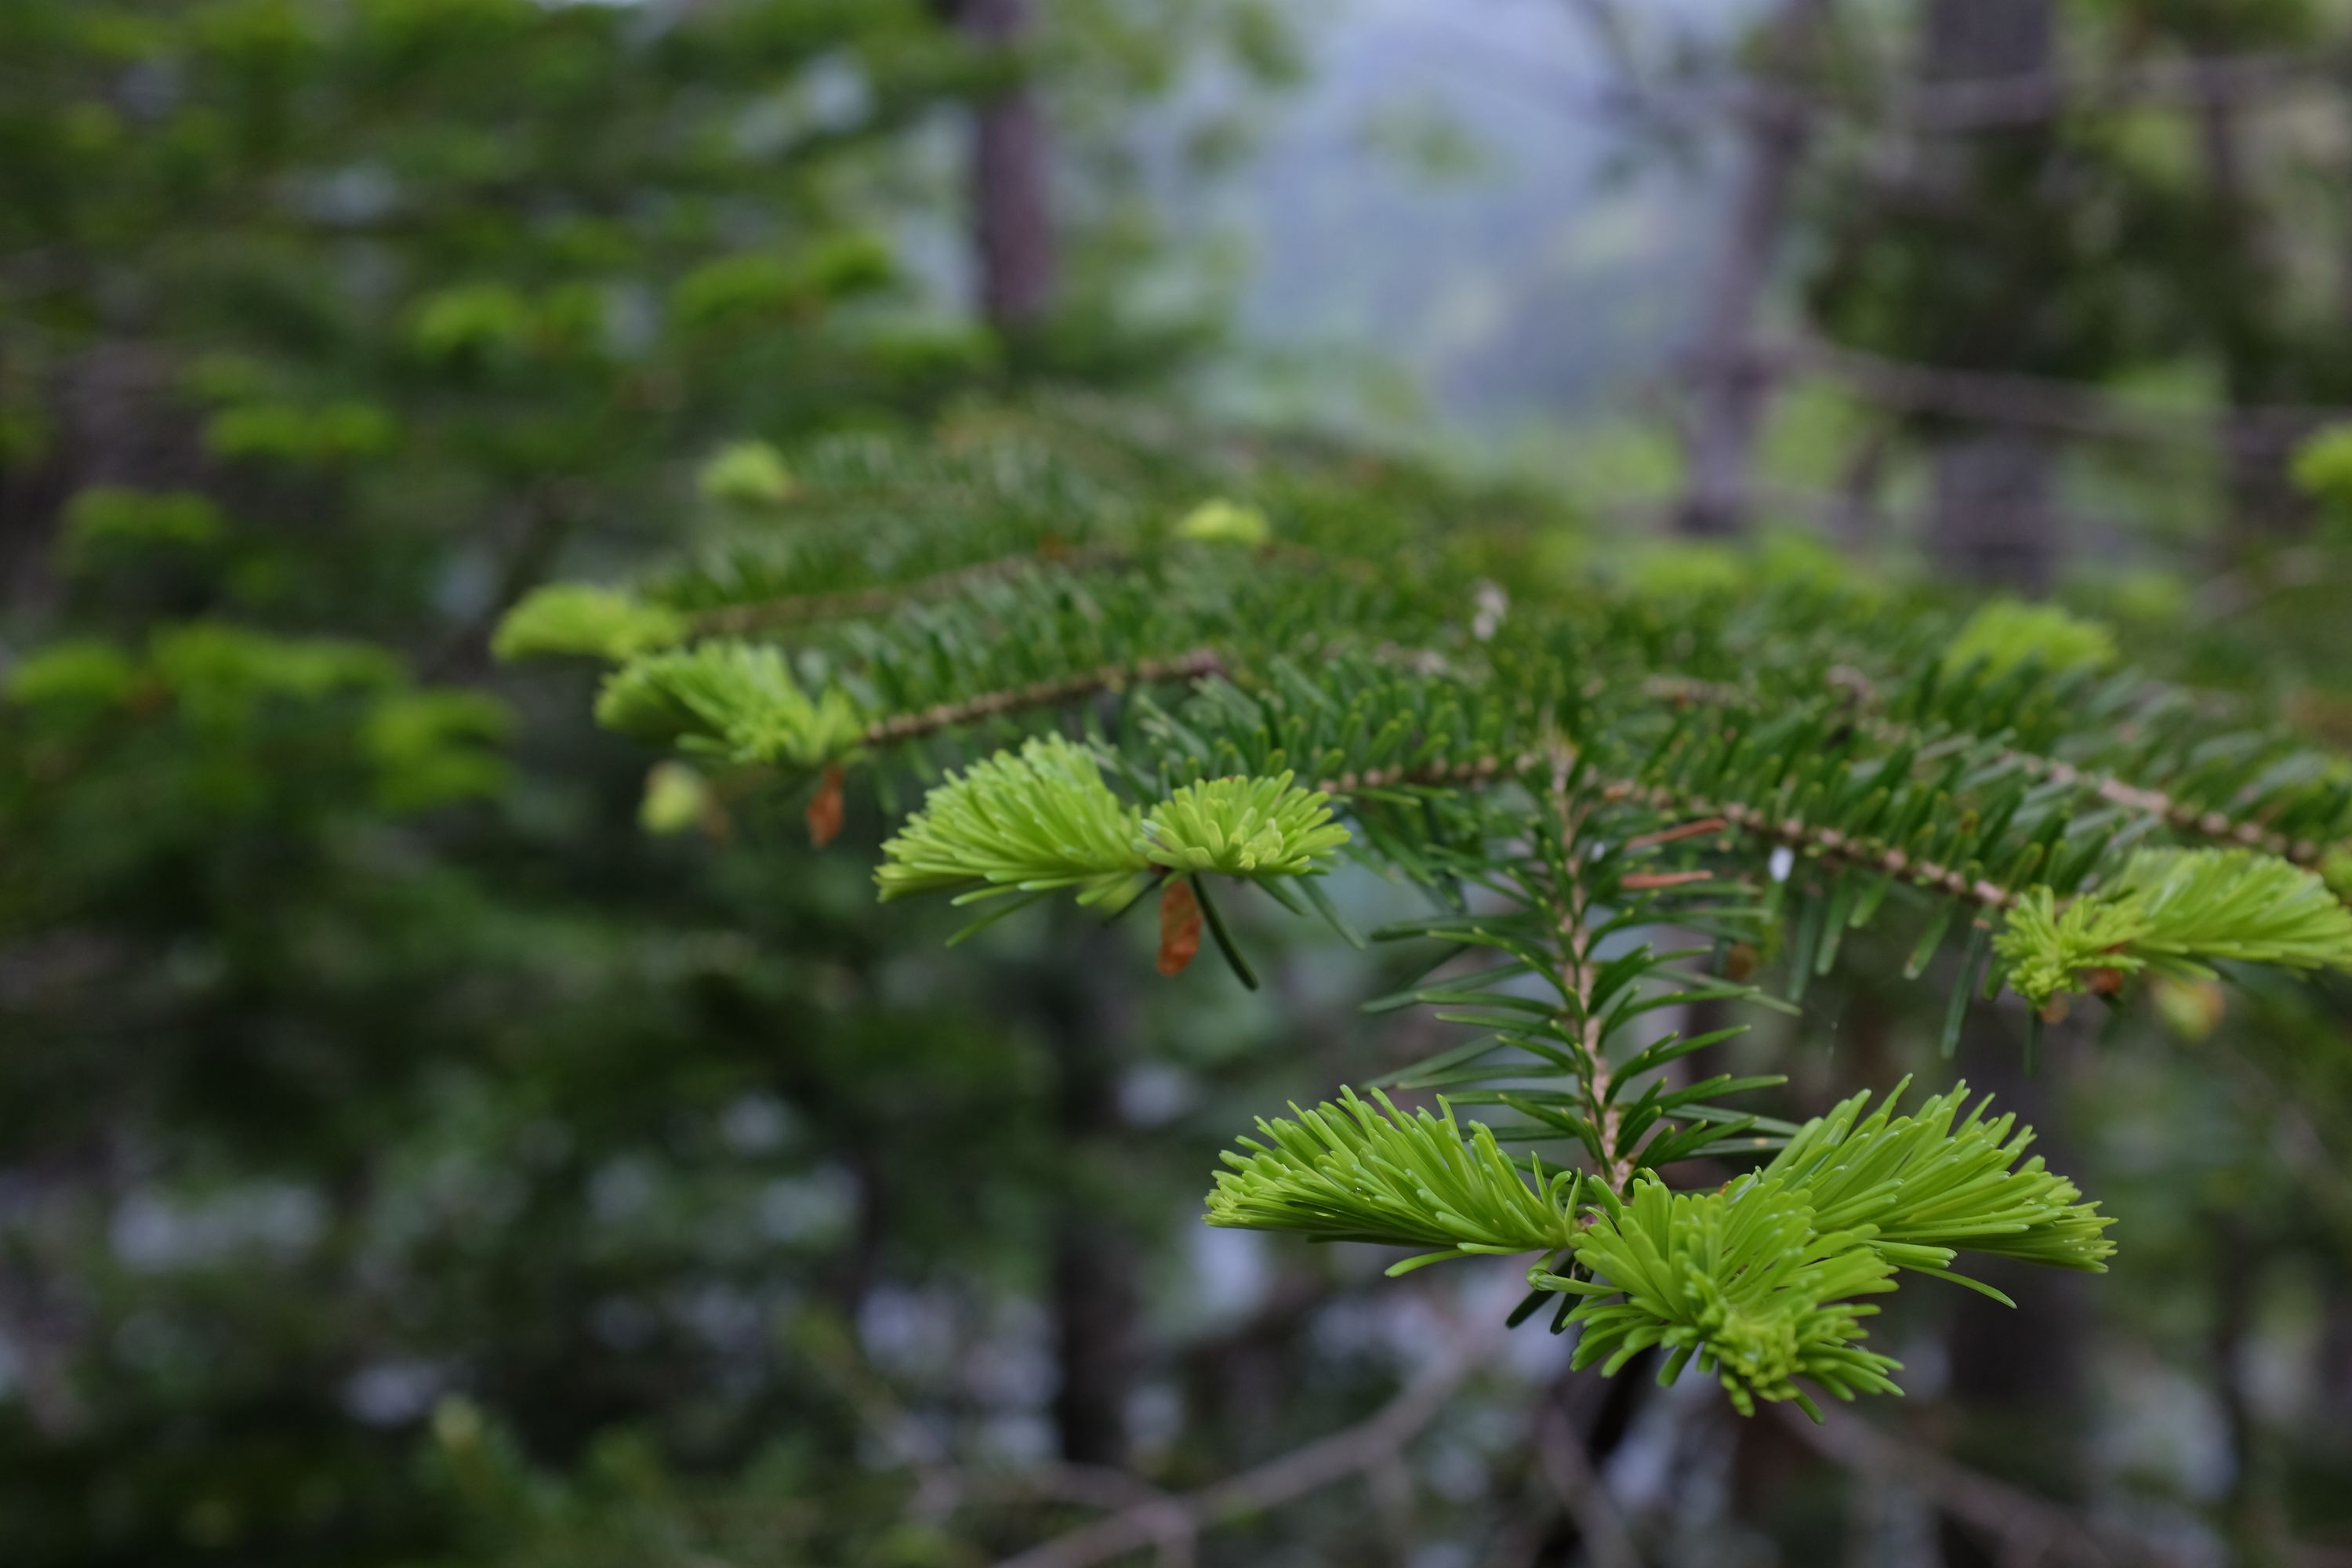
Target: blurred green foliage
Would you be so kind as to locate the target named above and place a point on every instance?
(365, 1058)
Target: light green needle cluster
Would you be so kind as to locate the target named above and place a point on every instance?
(595, 623)
(2006, 633)
(1222, 522)
(732, 699)
(1935, 1183)
(2178, 911)
(1043, 818)
(2049, 948)
(2234, 904)
(1244, 827)
(1025, 822)
(1367, 1171)
(1744, 1282)
(1756, 1281)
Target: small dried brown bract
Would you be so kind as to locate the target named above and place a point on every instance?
(1179, 927)
(826, 810)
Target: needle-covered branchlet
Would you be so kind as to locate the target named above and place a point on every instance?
(1578, 778)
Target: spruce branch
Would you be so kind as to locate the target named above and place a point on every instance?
(2025, 690)
(2181, 817)
(1562, 785)
(1572, 909)
(1461, 774)
(1041, 694)
(1826, 843)
(741, 701)
(2203, 822)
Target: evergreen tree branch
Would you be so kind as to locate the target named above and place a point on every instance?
(2182, 816)
(1572, 897)
(1826, 843)
(1043, 694)
(1468, 772)
(2203, 822)
(1561, 795)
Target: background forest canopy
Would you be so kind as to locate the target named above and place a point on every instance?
(437, 1129)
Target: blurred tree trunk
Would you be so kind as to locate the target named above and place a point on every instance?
(2018, 1378)
(1989, 517)
(1980, 40)
(113, 426)
(1729, 383)
(1091, 1269)
(1011, 173)
(1091, 1289)
(1596, 1416)
(2251, 1511)
(2264, 504)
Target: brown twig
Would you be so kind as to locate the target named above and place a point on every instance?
(2032, 1528)
(2032, 98)
(1607, 1542)
(2203, 822)
(1354, 1450)
(1830, 842)
(2069, 408)
(1439, 775)
(1577, 977)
